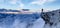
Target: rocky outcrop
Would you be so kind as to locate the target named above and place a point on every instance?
(52, 18)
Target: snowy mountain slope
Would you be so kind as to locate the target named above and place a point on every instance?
(9, 19)
(18, 20)
(52, 19)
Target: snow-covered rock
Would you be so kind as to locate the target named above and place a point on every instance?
(52, 19)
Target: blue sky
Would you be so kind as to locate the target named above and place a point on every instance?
(30, 4)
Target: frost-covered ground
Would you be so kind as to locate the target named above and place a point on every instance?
(21, 21)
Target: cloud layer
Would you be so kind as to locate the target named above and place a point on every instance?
(41, 2)
(20, 4)
(38, 2)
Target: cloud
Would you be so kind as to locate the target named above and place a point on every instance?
(13, 1)
(41, 2)
(20, 4)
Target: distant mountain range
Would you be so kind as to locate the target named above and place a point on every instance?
(5, 10)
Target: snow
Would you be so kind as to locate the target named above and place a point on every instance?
(21, 20)
(52, 19)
